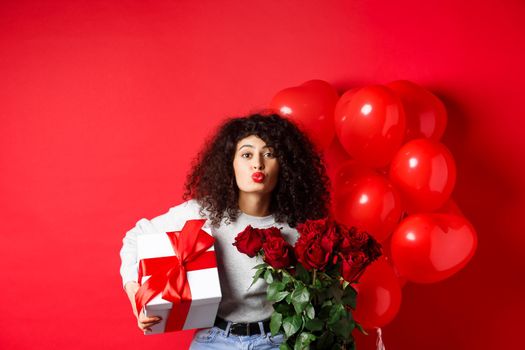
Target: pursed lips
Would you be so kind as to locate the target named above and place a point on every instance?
(258, 176)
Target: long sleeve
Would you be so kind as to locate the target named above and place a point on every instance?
(128, 256)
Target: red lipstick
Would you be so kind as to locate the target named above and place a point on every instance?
(258, 177)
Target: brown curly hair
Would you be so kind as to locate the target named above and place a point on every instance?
(302, 190)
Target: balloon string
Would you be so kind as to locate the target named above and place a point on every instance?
(379, 341)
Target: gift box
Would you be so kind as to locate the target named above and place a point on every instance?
(179, 278)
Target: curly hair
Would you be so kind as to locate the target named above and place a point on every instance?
(302, 189)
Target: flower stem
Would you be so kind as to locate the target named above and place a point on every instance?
(314, 277)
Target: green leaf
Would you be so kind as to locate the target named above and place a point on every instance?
(287, 278)
(327, 303)
(326, 307)
(283, 308)
(275, 293)
(336, 292)
(275, 323)
(360, 328)
(314, 325)
(349, 297)
(336, 313)
(281, 295)
(292, 324)
(288, 298)
(300, 298)
(302, 274)
(284, 346)
(260, 266)
(303, 341)
(310, 311)
(257, 275)
(344, 328)
(268, 276)
(277, 296)
(275, 287)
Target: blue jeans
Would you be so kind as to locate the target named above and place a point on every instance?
(218, 339)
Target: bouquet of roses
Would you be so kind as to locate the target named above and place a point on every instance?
(310, 283)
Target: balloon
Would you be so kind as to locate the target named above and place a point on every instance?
(450, 207)
(387, 253)
(339, 115)
(425, 173)
(334, 156)
(426, 115)
(371, 125)
(428, 248)
(311, 105)
(379, 295)
(342, 176)
(349, 169)
(370, 203)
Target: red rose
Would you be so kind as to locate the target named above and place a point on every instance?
(316, 242)
(249, 241)
(313, 227)
(352, 265)
(277, 252)
(310, 252)
(353, 240)
(271, 231)
(330, 237)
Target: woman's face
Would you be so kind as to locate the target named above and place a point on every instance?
(255, 166)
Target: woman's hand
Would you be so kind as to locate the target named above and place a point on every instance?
(143, 321)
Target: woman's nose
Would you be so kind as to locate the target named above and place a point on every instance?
(258, 166)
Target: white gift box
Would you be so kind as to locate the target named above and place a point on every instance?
(204, 285)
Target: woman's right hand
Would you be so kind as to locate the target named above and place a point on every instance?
(143, 322)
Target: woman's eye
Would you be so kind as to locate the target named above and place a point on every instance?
(245, 155)
(269, 154)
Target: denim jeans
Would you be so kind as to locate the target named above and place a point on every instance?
(218, 339)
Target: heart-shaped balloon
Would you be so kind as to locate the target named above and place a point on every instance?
(311, 105)
(428, 248)
(347, 170)
(371, 125)
(378, 295)
(425, 173)
(340, 107)
(334, 156)
(450, 207)
(370, 202)
(425, 113)
(387, 254)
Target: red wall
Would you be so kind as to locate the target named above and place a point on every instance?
(104, 103)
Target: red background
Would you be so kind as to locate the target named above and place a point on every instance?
(104, 103)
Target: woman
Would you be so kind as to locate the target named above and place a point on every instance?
(258, 170)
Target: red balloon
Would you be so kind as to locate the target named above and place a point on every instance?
(369, 202)
(379, 296)
(387, 253)
(450, 207)
(334, 156)
(426, 115)
(339, 114)
(371, 125)
(428, 248)
(425, 173)
(311, 105)
(342, 175)
(348, 170)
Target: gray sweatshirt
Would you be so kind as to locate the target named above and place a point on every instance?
(239, 303)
